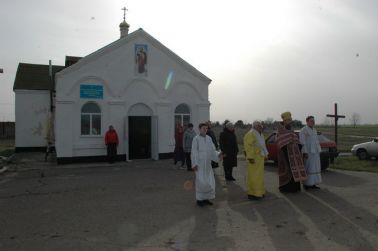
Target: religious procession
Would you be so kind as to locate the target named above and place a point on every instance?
(298, 157)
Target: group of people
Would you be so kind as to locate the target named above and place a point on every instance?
(201, 154)
(227, 145)
(205, 154)
(298, 158)
(183, 146)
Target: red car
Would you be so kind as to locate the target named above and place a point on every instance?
(328, 154)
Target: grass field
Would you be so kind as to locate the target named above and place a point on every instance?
(349, 136)
(369, 131)
(352, 163)
(6, 147)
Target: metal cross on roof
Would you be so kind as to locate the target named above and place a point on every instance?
(124, 13)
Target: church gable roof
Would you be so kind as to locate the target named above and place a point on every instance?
(34, 77)
(129, 38)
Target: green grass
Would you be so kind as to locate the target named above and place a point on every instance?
(6, 147)
(7, 152)
(365, 130)
(347, 135)
(352, 163)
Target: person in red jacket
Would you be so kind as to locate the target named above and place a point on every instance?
(111, 142)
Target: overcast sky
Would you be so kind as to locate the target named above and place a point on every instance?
(263, 56)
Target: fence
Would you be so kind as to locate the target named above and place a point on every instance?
(7, 130)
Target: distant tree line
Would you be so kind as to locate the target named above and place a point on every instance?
(354, 120)
(269, 123)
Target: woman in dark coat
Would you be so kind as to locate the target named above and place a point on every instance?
(229, 147)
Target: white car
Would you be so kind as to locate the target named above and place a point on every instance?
(366, 150)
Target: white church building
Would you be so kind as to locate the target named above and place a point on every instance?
(135, 84)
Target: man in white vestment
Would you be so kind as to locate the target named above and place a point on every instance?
(203, 152)
(311, 149)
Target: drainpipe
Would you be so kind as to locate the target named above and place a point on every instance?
(50, 135)
(52, 87)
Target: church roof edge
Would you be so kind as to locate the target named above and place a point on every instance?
(133, 35)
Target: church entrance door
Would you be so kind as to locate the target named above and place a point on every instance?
(140, 137)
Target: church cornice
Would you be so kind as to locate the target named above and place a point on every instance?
(206, 105)
(64, 101)
(117, 102)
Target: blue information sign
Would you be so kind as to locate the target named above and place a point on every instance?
(91, 91)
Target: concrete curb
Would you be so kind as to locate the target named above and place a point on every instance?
(3, 169)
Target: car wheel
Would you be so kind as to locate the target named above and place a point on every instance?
(362, 154)
(324, 163)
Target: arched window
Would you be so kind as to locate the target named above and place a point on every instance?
(182, 115)
(90, 119)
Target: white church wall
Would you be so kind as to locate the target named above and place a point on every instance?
(64, 128)
(186, 94)
(203, 112)
(70, 142)
(166, 141)
(115, 65)
(116, 118)
(168, 83)
(31, 108)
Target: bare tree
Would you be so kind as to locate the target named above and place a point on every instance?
(268, 123)
(327, 122)
(225, 122)
(297, 123)
(355, 119)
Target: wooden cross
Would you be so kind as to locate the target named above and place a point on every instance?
(124, 13)
(336, 116)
